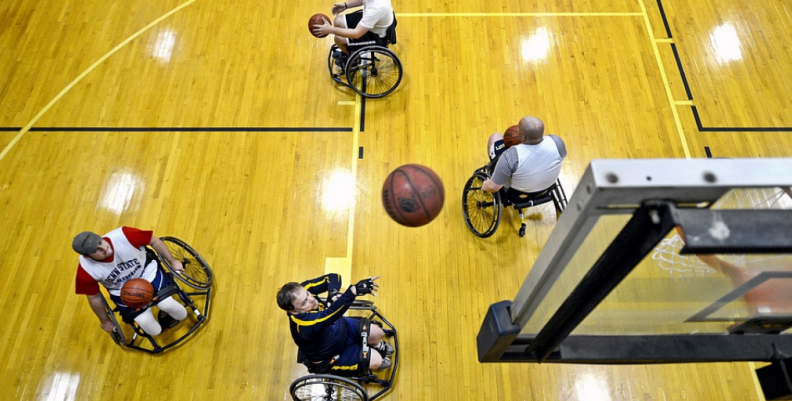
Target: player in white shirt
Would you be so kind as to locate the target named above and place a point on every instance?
(361, 28)
(115, 258)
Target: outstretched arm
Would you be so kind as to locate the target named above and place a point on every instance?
(163, 251)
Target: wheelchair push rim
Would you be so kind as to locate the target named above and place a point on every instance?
(197, 273)
(373, 71)
(481, 209)
(327, 388)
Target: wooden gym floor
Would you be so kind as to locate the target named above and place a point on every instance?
(216, 122)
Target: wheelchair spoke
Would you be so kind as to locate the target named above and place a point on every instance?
(374, 72)
(480, 208)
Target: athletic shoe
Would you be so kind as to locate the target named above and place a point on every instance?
(386, 363)
(385, 349)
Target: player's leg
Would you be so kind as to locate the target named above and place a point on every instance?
(495, 145)
(173, 308)
(349, 21)
(376, 341)
(148, 323)
(169, 305)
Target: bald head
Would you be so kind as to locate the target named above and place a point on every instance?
(532, 130)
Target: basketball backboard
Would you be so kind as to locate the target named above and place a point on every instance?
(662, 260)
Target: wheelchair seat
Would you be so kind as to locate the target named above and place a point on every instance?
(482, 209)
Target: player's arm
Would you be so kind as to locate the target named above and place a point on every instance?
(162, 251)
(341, 7)
(327, 283)
(98, 308)
(312, 321)
(328, 29)
(501, 174)
(140, 238)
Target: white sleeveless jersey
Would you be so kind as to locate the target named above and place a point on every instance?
(128, 263)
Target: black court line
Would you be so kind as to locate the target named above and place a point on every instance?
(702, 127)
(665, 20)
(360, 152)
(707, 151)
(682, 72)
(181, 129)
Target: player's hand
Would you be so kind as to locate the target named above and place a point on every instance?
(337, 8)
(177, 266)
(108, 326)
(323, 29)
(367, 286)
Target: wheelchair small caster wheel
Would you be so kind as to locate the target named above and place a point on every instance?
(522, 230)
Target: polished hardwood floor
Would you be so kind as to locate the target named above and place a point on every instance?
(216, 122)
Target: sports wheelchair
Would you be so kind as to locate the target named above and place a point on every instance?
(197, 276)
(482, 209)
(371, 71)
(350, 386)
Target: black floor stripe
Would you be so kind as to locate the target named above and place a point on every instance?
(689, 93)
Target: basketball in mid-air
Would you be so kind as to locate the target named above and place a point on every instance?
(413, 195)
(317, 19)
(512, 136)
(137, 293)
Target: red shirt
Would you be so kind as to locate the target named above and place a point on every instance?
(85, 284)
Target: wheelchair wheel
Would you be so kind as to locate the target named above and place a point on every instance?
(482, 209)
(117, 335)
(373, 71)
(197, 273)
(326, 388)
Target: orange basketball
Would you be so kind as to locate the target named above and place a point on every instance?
(317, 19)
(413, 195)
(137, 293)
(512, 136)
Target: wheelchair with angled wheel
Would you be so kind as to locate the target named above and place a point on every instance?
(371, 71)
(482, 209)
(192, 288)
(350, 385)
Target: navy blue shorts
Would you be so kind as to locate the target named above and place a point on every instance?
(350, 358)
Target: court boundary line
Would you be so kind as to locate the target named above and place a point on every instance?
(664, 77)
(537, 14)
(182, 129)
(701, 127)
(90, 69)
(343, 265)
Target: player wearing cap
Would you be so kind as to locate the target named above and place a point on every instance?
(327, 338)
(117, 257)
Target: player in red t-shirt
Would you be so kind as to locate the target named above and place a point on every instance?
(115, 258)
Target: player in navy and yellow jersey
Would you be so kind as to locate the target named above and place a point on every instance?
(324, 335)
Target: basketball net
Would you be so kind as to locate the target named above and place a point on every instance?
(667, 252)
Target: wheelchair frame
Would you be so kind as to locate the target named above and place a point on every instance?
(136, 340)
(355, 382)
(364, 61)
(555, 193)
